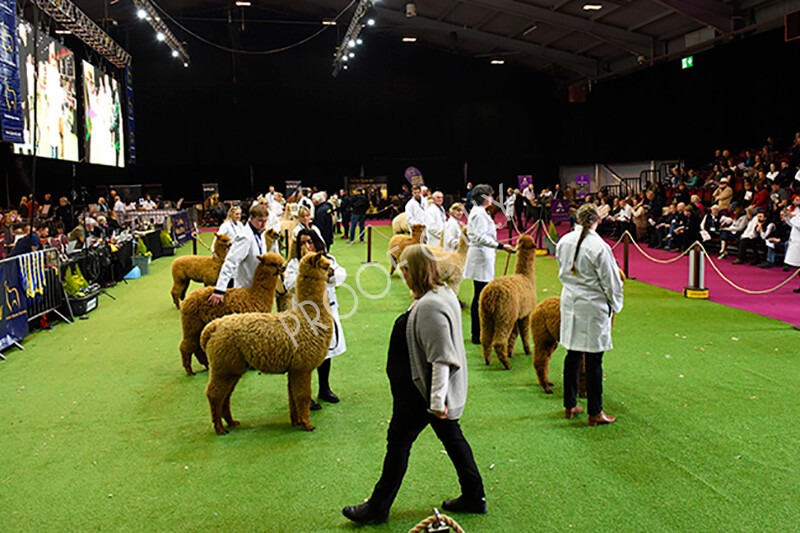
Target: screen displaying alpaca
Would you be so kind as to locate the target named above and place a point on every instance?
(102, 117)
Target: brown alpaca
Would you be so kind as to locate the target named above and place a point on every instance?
(203, 269)
(506, 304)
(294, 341)
(398, 243)
(197, 312)
(400, 225)
(451, 264)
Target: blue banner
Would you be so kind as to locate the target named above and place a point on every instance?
(131, 123)
(10, 106)
(182, 231)
(13, 307)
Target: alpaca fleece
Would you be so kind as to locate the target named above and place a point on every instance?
(451, 265)
(400, 225)
(203, 269)
(197, 312)
(506, 304)
(294, 342)
(398, 243)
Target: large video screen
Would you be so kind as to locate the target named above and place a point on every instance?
(55, 94)
(103, 117)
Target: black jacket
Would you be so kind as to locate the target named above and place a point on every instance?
(323, 219)
(360, 204)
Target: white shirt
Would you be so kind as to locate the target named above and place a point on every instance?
(229, 228)
(242, 259)
(625, 214)
(415, 212)
(306, 201)
(435, 218)
(793, 246)
(483, 246)
(452, 233)
(589, 297)
(751, 231)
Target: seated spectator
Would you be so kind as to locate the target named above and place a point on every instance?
(778, 198)
(82, 233)
(100, 230)
(761, 199)
(623, 221)
(776, 241)
(744, 197)
(682, 194)
(112, 225)
(64, 213)
(662, 227)
(731, 230)
(712, 223)
(102, 206)
(30, 242)
(772, 175)
(694, 179)
(700, 209)
(723, 195)
(688, 232)
(715, 177)
(785, 174)
(22, 208)
(750, 243)
(758, 164)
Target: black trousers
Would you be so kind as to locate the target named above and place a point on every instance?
(409, 417)
(594, 380)
(475, 312)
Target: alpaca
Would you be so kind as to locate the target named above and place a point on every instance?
(506, 304)
(400, 225)
(197, 312)
(273, 344)
(198, 268)
(451, 264)
(398, 243)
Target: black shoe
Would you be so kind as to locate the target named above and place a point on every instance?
(362, 514)
(476, 341)
(460, 505)
(314, 406)
(328, 396)
(786, 268)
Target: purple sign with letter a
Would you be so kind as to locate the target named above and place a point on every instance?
(524, 181)
(582, 184)
(559, 210)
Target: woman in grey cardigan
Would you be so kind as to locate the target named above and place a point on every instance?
(427, 371)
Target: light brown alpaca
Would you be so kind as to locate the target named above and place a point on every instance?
(400, 225)
(197, 312)
(451, 264)
(506, 304)
(204, 269)
(398, 243)
(294, 341)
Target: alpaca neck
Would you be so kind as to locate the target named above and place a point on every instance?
(416, 236)
(525, 263)
(463, 246)
(311, 290)
(264, 283)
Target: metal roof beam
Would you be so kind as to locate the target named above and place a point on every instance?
(709, 12)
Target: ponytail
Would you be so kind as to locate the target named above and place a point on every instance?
(587, 215)
(584, 232)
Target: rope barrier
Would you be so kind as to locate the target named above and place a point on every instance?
(651, 258)
(349, 244)
(381, 234)
(434, 519)
(737, 287)
(196, 237)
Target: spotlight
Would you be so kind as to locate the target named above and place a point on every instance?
(345, 67)
(345, 57)
(370, 22)
(142, 14)
(160, 36)
(351, 54)
(186, 65)
(351, 43)
(359, 41)
(174, 53)
(242, 4)
(329, 23)
(592, 7)
(409, 39)
(498, 62)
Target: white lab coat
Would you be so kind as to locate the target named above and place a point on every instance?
(435, 218)
(242, 259)
(337, 345)
(415, 212)
(452, 232)
(229, 228)
(590, 297)
(793, 246)
(483, 245)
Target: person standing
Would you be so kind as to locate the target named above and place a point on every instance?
(591, 293)
(360, 204)
(232, 226)
(435, 217)
(345, 210)
(792, 218)
(452, 228)
(323, 217)
(242, 259)
(427, 370)
(415, 208)
(483, 246)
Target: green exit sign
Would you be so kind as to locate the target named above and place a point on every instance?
(687, 62)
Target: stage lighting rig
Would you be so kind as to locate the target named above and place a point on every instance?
(147, 11)
(351, 40)
(76, 21)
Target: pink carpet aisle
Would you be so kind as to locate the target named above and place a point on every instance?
(782, 304)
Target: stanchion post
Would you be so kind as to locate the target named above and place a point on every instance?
(286, 243)
(626, 239)
(194, 244)
(695, 288)
(369, 260)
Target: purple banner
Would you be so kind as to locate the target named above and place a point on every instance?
(131, 122)
(414, 176)
(559, 210)
(524, 181)
(583, 185)
(10, 105)
(181, 230)
(13, 306)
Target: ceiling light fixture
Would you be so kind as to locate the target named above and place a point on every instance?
(329, 23)
(592, 7)
(350, 39)
(242, 4)
(498, 61)
(163, 33)
(409, 39)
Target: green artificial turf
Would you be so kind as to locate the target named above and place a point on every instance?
(104, 431)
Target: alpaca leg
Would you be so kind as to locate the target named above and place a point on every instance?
(502, 332)
(217, 391)
(543, 351)
(300, 390)
(512, 341)
(226, 406)
(176, 295)
(524, 325)
(188, 346)
(487, 334)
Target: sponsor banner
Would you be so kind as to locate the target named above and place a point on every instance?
(13, 305)
(181, 229)
(414, 176)
(524, 181)
(130, 109)
(10, 105)
(559, 210)
(582, 185)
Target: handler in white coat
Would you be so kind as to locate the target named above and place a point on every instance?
(591, 294)
(415, 207)
(452, 228)
(313, 242)
(242, 259)
(483, 246)
(231, 226)
(792, 217)
(435, 219)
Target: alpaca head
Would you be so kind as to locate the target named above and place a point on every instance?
(526, 243)
(221, 245)
(273, 263)
(315, 266)
(416, 232)
(271, 236)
